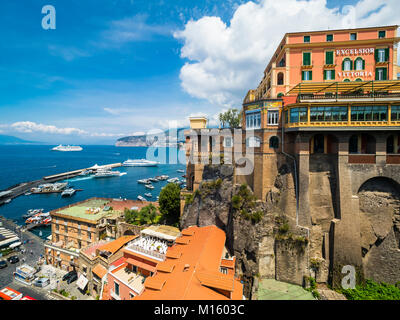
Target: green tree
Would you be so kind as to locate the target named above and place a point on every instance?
(231, 118)
(169, 201)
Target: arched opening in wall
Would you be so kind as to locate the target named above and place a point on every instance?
(353, 144)
(332, 144)
(390, 144)
(379, 200)
(129, 233)
(317, 144)
(362, 144)
(280, 79)
(274, 142)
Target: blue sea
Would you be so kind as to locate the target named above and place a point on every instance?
(29, 162)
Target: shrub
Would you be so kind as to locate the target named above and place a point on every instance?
(372, 291)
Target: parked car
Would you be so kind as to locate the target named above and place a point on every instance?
(3, 264)
(72, 278)
(13, 259)
(41, 282)
(68, 275)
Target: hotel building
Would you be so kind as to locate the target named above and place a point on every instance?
(82, 224)
(328, 108)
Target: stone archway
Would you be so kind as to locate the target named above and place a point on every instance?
(379, 199)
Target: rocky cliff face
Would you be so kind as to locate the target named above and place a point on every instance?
(253, 228)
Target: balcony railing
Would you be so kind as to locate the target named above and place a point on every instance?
(393, 159)
(151, 253)
(362, 158)
(344, 96)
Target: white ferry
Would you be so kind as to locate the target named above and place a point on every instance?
(139, 163)
(68, 192)
(67, 148)
(106, 174)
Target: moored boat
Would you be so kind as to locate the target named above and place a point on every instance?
(149, 186)
(141, 198)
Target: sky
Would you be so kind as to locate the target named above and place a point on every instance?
(113, 68)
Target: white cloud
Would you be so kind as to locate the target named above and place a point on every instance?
(226, 60)
(67, 53)
(29, 127)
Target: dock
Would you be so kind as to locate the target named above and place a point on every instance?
(22, 188)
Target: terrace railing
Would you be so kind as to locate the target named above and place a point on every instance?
(351, 95)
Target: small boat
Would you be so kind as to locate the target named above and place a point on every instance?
(149, 186)
(47, 220)
(139, 163)
(163, 177)
(158, 197)
(85, 173)
(149, 195)
(68, 192)
(31, 213)
(144, 181)
(173, 180)
(28, 193)
(7, 201)
(180, 170)
(141, 198)
(153, 179)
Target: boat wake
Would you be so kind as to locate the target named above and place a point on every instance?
(122, 174)
(79, 179)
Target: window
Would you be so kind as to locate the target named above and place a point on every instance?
(306, 75)
(318, 114)
(131, 295)
(381, 74)
(253, 142)
(280, 79)
(307, 39)
(353, 144)
(369, 113)
(381, 34)
(298, 115)
(347, 64)
(329, 37)
(329, 57)
(306, 58)
(353, 36)
(223, 270)
(329, 74)
(395, 113)
(273, 117)
(381, 55)
(116, 288)
(346, 80)
(274, 142)
(282, 63)
(253, 120)
(57, 227)
(228, 142)
(359, 64)
(359, 79)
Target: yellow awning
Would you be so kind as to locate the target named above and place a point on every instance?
(345, 87)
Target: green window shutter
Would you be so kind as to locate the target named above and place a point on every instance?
(333, 74)
(329, 57)
(385, 74)
(325, 75)
(306, 58)
(343, 64)
(351, 65)
(387, 54)
(376, 55)
(310, 75)
(376, 74)
(363, 64)
(302, 75)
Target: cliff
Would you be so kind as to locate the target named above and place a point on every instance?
(259, 234)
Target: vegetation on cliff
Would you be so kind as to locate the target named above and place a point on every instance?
(245, 203)
(230, 119)
(371, 290)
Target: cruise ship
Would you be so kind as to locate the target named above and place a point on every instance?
(139, 163)
(67, 148)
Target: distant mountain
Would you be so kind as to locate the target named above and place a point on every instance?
(10, 140)
(162, 139)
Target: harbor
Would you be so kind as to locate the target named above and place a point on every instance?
(15, 191)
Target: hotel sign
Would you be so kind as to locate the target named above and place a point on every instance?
(349, 52)
(355, 74)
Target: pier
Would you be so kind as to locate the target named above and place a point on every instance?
(22, 188)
